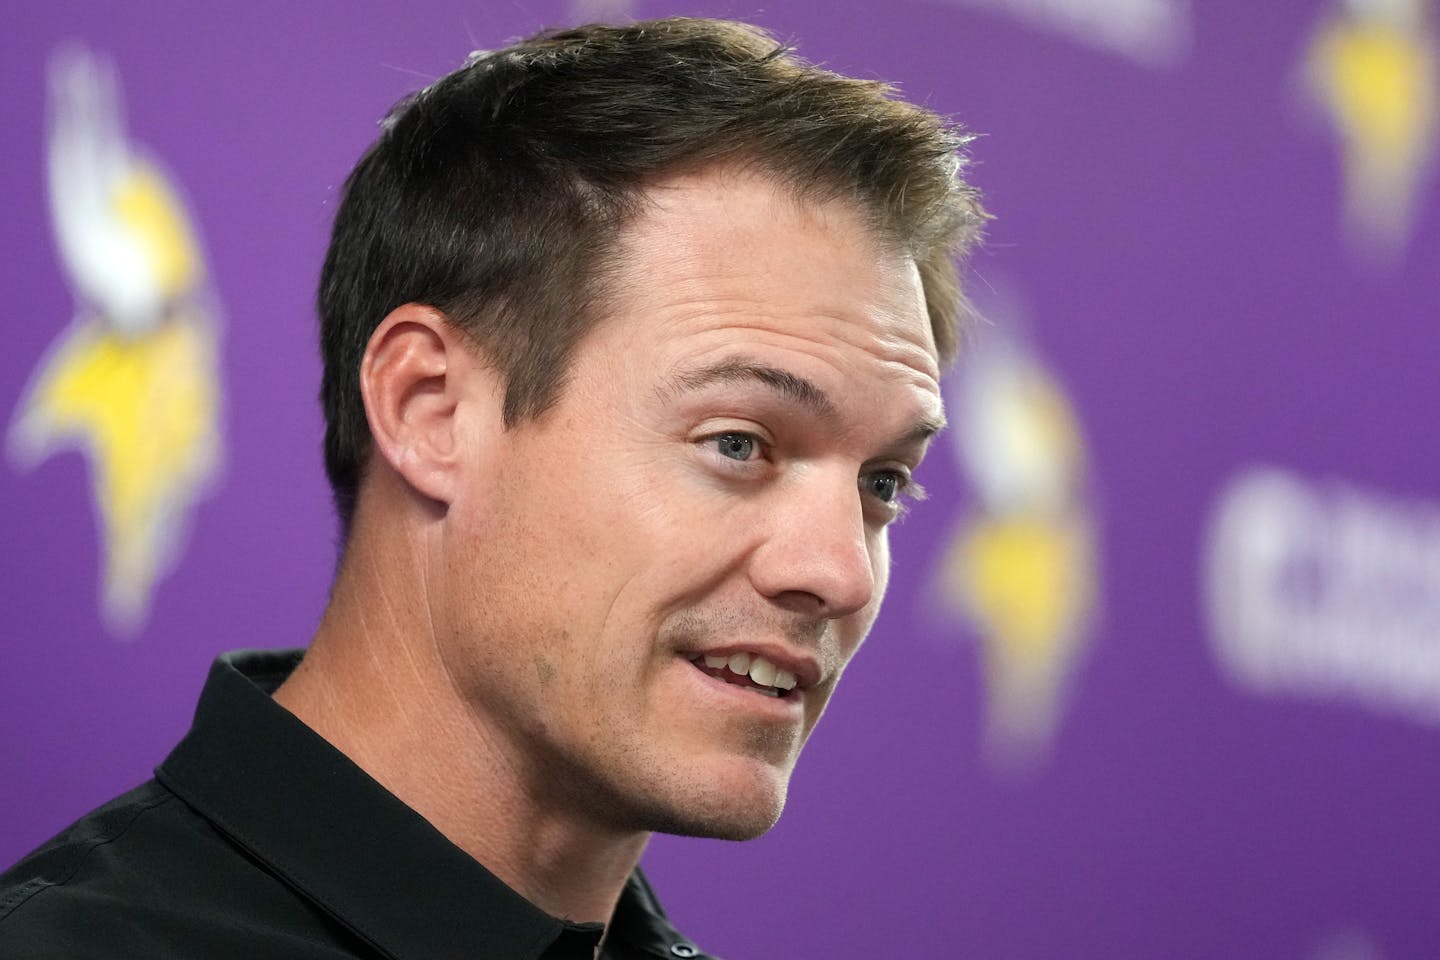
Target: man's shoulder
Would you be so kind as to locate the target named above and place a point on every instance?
(64, 894)
(144, 875)
(57, 862)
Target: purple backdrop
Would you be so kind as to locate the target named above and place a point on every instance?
(1172, 249)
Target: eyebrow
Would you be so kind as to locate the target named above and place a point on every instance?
(789, 385)
(742, 370)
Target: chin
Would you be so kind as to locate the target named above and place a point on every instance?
(738, 822)
(733, 805)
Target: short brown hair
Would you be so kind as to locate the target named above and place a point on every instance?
(496, 193)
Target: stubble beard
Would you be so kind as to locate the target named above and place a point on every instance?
(664, 802)
(630, 788)
(623, 780)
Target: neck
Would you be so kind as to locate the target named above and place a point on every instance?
(373, 686)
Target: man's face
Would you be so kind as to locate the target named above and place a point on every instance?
(712, 487)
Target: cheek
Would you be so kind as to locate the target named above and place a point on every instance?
(880, 567)
(862, 621)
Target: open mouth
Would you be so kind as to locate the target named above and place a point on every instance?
(748, 671)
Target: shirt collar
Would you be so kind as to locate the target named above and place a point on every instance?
(303, 808)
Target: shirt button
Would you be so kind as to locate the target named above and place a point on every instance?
(683, 949)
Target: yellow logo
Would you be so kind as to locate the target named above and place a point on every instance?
(133, 382)
(1372, 67)
(1021, 567)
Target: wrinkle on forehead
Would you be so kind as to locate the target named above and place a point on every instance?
(712, 327)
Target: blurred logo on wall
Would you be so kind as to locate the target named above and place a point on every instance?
(1152, 33)
(1021, 568)
(1323, 591)
(132, 382)
(1372, 68)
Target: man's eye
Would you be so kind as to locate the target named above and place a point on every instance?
(736, 446)
(885, 486)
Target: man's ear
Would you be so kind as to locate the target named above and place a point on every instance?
(417, 374)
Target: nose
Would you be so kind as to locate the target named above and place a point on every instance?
(816, 558)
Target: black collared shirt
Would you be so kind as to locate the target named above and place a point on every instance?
(258, 839)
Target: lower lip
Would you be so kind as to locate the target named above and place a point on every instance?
(732, 696)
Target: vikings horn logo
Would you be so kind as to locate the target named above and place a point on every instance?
(1022, 566)
(1372, 67)
(133, 381)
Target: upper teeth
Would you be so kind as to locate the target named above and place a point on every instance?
(760, 670)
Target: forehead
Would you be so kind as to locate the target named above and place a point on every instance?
(729, 257)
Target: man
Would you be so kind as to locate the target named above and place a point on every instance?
(632, 341)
